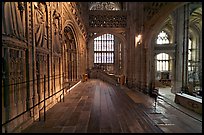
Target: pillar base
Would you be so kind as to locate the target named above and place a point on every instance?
(184, 89)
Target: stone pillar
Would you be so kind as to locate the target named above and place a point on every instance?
(172, 70)
(181, 42)
(135, 24)
(143, 68)
(185, 49)
(131, 33)
(5, 90)
(200, 58)
(150, 65)
(33, 61)
(90, 50)
(116, 55)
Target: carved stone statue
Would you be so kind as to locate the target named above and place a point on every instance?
(40, 26)
(57, 31)
(11, 20)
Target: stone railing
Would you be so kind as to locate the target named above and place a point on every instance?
(102, 75)
(190, 102)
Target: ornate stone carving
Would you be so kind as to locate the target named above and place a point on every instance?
(41, 70)
(111, 21)
(57, 30)
(12, 23)
(40, 25)
(29, 23)
(104, 6)
(12, 42)
(75, 10)
(16, 72)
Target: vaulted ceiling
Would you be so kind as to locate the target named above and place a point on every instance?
(196, 18)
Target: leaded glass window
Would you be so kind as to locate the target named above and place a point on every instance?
(162, 38)
(104, 49)
(162, 62)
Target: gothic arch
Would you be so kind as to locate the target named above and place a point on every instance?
(70, 53)
(152, 29)
(194, 32)
(162, 15)
(73, 28)
(123, 41)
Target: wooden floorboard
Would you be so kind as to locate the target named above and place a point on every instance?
(115, 124)
(96, 107)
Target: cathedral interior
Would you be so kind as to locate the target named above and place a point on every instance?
(100, 66)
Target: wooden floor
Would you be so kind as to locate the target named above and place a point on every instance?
(168, 116)
(96, 107)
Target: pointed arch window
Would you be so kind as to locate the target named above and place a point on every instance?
(162, 38)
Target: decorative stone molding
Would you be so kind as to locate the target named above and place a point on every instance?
(106, 20)
(75, 11)
(104, 6)
(42, 50)
(13, 42)
(40, 25)
(57, 37)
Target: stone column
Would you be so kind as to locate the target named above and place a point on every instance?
(5, 90)
(33, 60)
(200, 58)
(181, 42)
(116, 55)
(90, 50)
(150, 65)
(143, 68)
(185, 49)
(131, 45)
(172, 70)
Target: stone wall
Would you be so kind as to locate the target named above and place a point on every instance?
(35, 53)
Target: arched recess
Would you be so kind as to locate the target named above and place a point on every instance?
(162, 43)
(70, 53)
(163, 68)
(121, 41)
(157, 26)
(152, 28)
(195, 52)
(154, 24)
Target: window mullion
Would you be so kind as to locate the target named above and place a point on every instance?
(106, 49)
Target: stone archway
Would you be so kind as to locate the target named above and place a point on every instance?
(70, 55)
(120, 41)
(152, 27)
